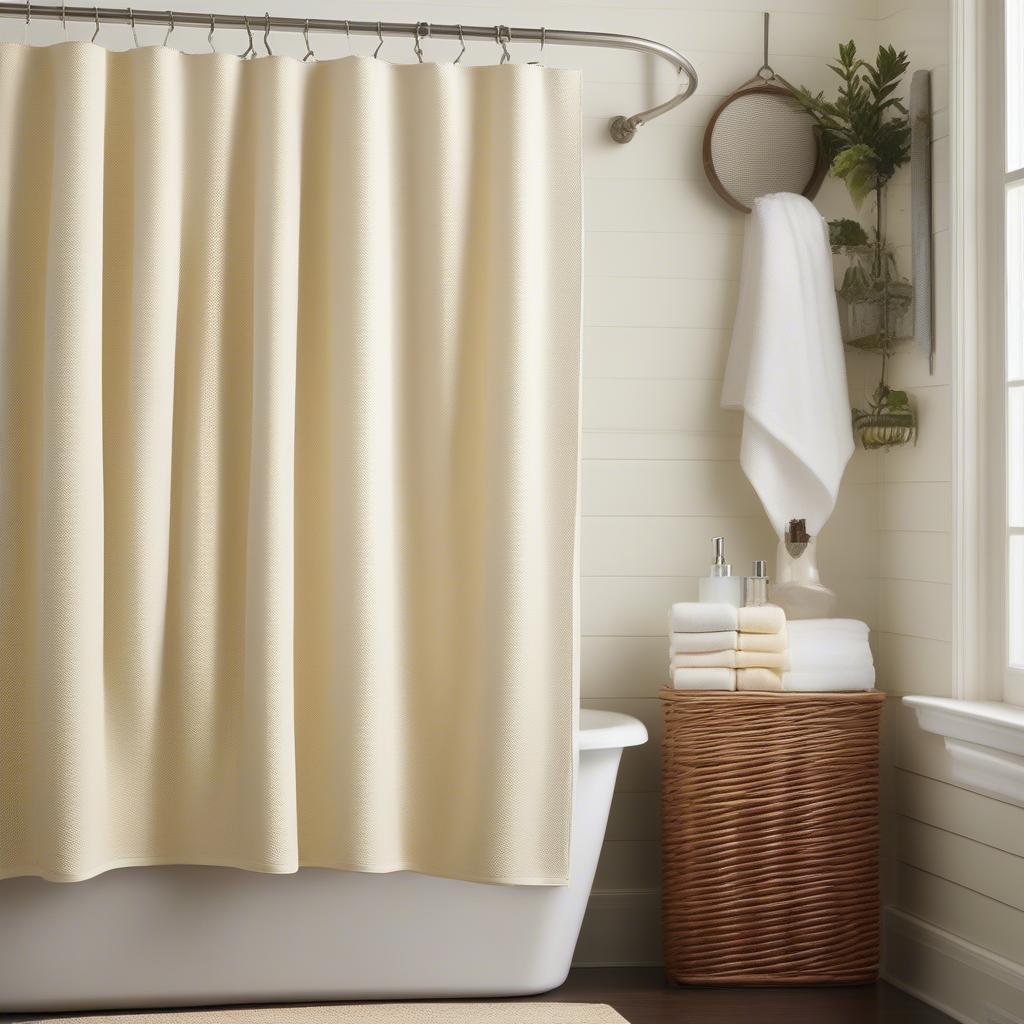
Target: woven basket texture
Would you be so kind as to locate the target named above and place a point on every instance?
(771, 837)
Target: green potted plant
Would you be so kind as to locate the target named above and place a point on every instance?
(865, 135)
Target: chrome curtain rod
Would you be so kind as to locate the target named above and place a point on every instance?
(622, 129)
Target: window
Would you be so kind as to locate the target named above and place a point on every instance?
(1009, 370)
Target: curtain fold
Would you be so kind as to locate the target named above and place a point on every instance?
(289, 376)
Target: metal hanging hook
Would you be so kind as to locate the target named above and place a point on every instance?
(462, 42)
(266, 34)
(250, 50)
(500, 33)
(28, 21)
(380, 39)
(417, 48)
(64, 19)
(348, 36)
(765, 71)
(170, 27)
(209, 35)
(309, 49)
(96, 30)
(131, 25)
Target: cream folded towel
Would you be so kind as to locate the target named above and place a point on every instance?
(778, 661)
(704, 679)
(697, 617)
(758, 679)
(764, 618)
(835, 680)
(762, 641)
(705, 659)
(695, 643)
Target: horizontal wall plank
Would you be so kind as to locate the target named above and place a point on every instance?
(973, 916)
(915, 506)
(657, 405)
(629, 866)
(640, 770)
(910, 664)
(659, 353)
(620, 928)
(918, 609)
(983, 869)
(627, 667)
(677, 546)
(936, 803)
(658, 302)
(635, 816)
(631, 488)
(664, 445)
(622, 607)
(925, 557)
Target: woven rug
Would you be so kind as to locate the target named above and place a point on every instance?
(377, 1013)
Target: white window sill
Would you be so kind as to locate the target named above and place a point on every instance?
(984, 740)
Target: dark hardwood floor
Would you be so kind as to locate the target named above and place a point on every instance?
(642, 996)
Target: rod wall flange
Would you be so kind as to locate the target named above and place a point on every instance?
(622, 129)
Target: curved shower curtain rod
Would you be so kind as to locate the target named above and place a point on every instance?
(622, 128)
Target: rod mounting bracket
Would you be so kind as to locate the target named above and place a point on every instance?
(622, 129)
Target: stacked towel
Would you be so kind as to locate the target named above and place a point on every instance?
(719, 647)
(829, 655)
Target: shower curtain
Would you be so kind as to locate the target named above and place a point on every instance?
(289, 373)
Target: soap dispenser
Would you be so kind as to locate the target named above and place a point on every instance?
(720, 586)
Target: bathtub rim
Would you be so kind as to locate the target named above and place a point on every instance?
(607, 730)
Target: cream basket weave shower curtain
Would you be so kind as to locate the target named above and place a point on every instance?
(289, 375)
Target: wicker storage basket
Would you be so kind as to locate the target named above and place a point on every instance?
(770, 819)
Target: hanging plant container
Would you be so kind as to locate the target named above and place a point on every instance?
(874, 305)
(888, 422)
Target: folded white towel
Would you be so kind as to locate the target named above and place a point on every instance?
(694, 643)
(787, 368)
(775, 660)
(834, 680)
(762, 641)
(824, 645)
(698, 617)
(765, 618)
(758, 679)
(815, 627)
(704, 679)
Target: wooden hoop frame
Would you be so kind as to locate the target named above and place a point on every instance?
(817, 175)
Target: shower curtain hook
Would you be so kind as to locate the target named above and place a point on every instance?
(266, 33)
(170, 27)
(250, 50)
(348, 36)
(499, 38)
(131, 23)
(64, 19)
(209, 35)
(462, 41)
(417, 48)
(309, 49)
(28, 21)
(380, 38)
(96, 30)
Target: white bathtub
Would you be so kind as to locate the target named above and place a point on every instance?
(172, 936)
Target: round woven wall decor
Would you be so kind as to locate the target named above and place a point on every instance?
(760, 140)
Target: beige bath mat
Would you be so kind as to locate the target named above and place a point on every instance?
(377, 1013)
